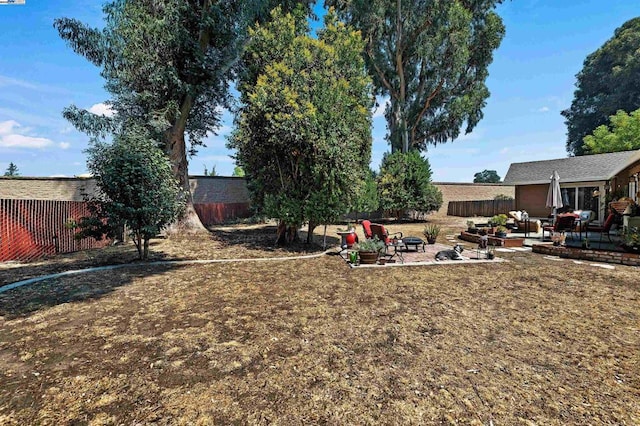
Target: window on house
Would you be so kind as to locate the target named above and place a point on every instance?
(581, 198)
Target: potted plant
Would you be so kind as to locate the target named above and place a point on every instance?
(632, 240)
(501, 232)
(369, 250)
(471, 227)
(431, 232)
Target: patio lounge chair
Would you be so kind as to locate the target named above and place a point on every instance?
(366, 227)
(533, 225)
(383, 235)
(564, 223)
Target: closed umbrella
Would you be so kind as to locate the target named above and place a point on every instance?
(554, 197)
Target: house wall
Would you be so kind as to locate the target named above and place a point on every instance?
(621, 180)
(532, 198)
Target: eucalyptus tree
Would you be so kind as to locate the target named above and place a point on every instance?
(431, 59)
(303, 135)
(167, 65)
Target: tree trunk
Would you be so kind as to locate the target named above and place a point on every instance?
(138, 242)
(145, 253)
(312, 226)
(176, 147)
(286, 234)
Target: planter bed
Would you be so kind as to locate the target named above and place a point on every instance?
(495, 241)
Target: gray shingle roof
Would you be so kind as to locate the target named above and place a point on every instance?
(586, 168)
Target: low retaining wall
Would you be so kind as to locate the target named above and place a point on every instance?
(630, 259)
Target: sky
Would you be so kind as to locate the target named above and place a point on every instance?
(532, 79)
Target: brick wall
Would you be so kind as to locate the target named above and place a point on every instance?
(59, 189)
(452, 191)
(630, 259)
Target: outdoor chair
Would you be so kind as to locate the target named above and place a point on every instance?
(605, 229)
(525, 225)
(383, 235)
(366, 227)
(564, 223)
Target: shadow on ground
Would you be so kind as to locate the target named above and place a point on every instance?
(264, 239)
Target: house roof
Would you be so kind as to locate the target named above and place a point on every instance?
(585, 168)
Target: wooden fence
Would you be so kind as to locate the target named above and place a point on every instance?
(30, 229)
(216, 213)
(480, 208)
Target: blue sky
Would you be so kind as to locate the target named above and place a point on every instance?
(531, 80)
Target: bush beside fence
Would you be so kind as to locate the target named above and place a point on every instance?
(480, 207)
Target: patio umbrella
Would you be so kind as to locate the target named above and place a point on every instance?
(554, 197)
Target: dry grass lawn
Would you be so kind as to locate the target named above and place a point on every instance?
(529, 341)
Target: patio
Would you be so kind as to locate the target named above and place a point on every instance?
(411, 257)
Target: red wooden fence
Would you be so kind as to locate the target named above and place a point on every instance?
(30, 229)
(214, 213)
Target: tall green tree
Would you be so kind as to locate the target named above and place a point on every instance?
(430, 58)
(608, 82)
(486, 176)
(12, 170)
(137, 189)
(622, 135)
(404, 183)
(303, 134)
(168, 64)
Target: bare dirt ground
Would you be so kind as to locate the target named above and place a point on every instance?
(528, 341)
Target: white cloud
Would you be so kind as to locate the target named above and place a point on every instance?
(12, 135)
(21, 141)
(543, 109)
(6, 127)
(102, 109)
(504, 150)
(64, 145)
(58, 175)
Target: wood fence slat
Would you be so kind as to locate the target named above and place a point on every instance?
(479, 207)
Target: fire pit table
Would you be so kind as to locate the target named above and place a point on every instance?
(413, 241)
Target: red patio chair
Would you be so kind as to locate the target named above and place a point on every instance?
(383, 235)
(564, 223)
(366, 227)
(605, 229)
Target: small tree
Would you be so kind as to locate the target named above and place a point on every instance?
(486, 176)
(624, 134)
(405, 183)
(12, 170)
(137, 189)
(213, 171)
